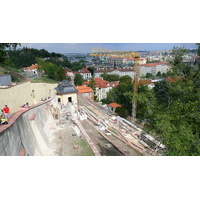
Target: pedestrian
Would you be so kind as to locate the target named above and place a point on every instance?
(2, 113)
(26, 106)
(6, 111)
(3, 120)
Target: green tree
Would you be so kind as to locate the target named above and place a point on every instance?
(122, 94)
(76, 66)
(122, 112)
(60, 74)
(92, 83)
(177, 116)
(78, 79)
(125, 79)
(91, 69)
(110, 77)
(159, 74)
(111, 97)
(149, 75)
(48, 68)
(4, 50)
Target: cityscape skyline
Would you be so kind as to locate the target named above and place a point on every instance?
(87, 47)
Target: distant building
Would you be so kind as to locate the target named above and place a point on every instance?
(121, 72)
(32, 70)
(149, 83)
(69, 73)
(116, 60)
(188, 60)
(86, 74)
(102, 87)
(113, 106)
(140, 61)
(66, 93)
(86, 92)
(5, 80)
(153, 68)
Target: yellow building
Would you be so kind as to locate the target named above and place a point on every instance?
(66, 93)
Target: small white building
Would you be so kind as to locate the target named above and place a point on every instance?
(113, 106)
(32, 70)
(86, 74)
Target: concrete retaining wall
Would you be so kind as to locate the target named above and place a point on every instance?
(33, 135)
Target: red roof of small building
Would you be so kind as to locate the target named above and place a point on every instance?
(84, 89)
(33, 66)
(114, 105)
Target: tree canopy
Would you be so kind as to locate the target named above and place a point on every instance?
(171, 110)
(78, 79)
(110, 77)
(4, 47)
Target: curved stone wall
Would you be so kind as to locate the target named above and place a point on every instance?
(28, 129)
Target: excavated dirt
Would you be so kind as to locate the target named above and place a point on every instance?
(67, 142)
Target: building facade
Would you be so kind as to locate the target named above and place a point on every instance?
(32, 70)
(153, 68)
(121, 72)
(86, 74)
(66, 93)
(113, 106)
(102, 87)
(86, 92)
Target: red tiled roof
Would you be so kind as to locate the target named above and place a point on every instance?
(86, 83)
(173, 79)
(114, 105)
(153, 64)
(99, 82)
(84, 89)
(68, 70)
(33, 66)
(83, 70)
(144, 82)
(111, 70)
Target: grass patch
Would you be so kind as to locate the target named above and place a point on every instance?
(115, 132)
(87, 151)
(43, 79)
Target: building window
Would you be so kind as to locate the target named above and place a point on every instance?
(69, 99)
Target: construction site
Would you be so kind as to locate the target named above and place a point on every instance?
(68, 124)
(85, 128)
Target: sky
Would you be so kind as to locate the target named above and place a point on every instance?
(87, 47)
